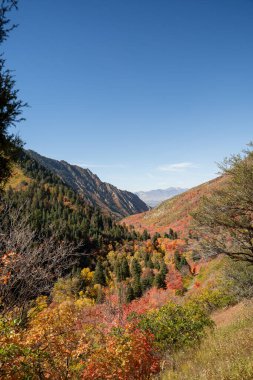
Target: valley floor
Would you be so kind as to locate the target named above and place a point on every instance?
(225, 354)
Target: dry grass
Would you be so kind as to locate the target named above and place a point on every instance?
(226, 353)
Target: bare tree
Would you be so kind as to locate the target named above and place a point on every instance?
(29, 265)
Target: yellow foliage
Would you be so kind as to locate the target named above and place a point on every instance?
(17, 178)
(66, 289)
(111, 256)
(87, 276)
(84, 301)
(40, 304)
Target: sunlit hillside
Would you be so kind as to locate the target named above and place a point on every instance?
(175, 212)
(18, 180)
(225, 354)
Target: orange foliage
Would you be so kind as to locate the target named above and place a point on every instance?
(127, 355)
(175, 212)
(174, 280)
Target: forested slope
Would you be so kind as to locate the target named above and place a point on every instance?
(97, 193)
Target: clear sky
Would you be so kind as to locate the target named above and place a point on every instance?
(146, 93)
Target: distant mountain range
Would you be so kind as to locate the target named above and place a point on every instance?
(154, 197)
(100, 194)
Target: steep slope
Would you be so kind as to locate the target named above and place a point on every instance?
(175, 212)
(52, 208)
(225, 353)
(99, 194)
(154, 197)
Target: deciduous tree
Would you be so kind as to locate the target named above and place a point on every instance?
(225, 219)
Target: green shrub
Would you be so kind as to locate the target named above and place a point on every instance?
(212, 299)
(225, 354)
(175, 326)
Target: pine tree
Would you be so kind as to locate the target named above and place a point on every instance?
(154, 238)
(145, 235)
(10, 105)
(135, 268)
(159, 281)
(129, 294)
(157, 265)
(99, 275)
(147, 281)
(122, 269)
(179, 260)
(137, 289)
(125, 268)
(163, 268)
(150, 263)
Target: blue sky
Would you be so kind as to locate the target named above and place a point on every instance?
(146, 93)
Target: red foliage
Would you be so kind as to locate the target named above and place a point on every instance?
(174, 280)
(127, 355)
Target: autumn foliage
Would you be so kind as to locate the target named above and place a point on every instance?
(128, 355)
(87, 327)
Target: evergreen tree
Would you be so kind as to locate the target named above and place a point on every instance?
(179, 260)
(100, 295)
(145, 235)
(136, 274)
(10, 105)
(154, 238)
(171, 233)
(99, 275)
(147, 281)
(135, 268)
(157, 265)
(125, 268)
(150, 263)
(137, 289)
(159, 280)
(52, 208)
(163, 268)
(146, 258)
(122, 269)
(129, 294)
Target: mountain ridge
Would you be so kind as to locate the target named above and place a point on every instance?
(155, 197)
(175, 212)
(104, 195)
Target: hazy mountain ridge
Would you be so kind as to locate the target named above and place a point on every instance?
(101, 194)
(154, 197)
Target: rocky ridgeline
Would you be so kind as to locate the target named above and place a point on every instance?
(99, 194)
